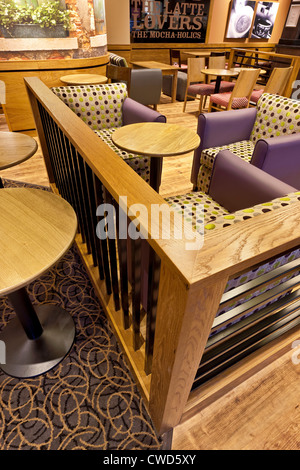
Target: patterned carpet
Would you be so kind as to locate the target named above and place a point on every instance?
(89, 401)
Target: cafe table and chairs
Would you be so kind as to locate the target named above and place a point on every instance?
(218, 74)
(156, 140)
(198, 81)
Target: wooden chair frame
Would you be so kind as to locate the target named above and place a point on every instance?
(120, 74)
(194, 75)
(243, 88)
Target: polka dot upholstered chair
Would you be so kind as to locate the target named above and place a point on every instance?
(237, 192)
(267, 137)
(104, 108)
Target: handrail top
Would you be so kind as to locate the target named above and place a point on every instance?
(275, 54)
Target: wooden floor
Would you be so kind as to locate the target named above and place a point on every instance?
(261, 413)
(176, 170)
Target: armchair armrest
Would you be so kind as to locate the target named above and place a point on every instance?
(216, 129)
(236, 184)
(280, 157)
(133, 112)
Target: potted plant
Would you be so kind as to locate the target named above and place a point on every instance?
(30, 21)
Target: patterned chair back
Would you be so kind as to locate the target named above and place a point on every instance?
(99, 106)
(276, 116)
(117, 60)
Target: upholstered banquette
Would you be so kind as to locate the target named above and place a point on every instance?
(238, 191)
(266, 136)
(104, 108)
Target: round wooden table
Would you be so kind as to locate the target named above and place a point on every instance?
(219, 73)
(156, 140)
(84, 79)
(15, 148)
(37, 228)
(238, 69)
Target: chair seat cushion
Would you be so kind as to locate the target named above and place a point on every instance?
(222, 99)
(256, 94)
(209, 88)
(201, 89)
(208, 209)
(139, 163)
(226, 86)
(213, 217)
(243, 149)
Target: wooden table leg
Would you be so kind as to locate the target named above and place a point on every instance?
(155, 172)
(174, 86)
(217, 85)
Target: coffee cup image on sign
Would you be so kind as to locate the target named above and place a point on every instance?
(264, 20)
(240, 20)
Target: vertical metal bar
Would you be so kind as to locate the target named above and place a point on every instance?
(66, 169)
(103, 243)
(136, 290)
(152, 298)
(72, 181)
(113, 255)
(55, 154)
(92, 210)
(83, 196)
(98, 243)
(53, 133)
(45, 122)
(73, 161)
(123, 268)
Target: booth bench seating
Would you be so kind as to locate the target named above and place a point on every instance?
(237, 192)
(104, 108)
(233, 301)
(267, 136)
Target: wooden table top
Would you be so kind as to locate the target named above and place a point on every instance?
(84, 79)
(37, 228)
(151, 64)
(196, 53)
(220, 72)
(156, 139)
(238, 69)
(15, 148)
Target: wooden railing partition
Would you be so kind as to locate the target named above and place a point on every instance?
(164, 337)
(266, 61)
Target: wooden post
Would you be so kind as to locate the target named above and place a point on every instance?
(184, 318)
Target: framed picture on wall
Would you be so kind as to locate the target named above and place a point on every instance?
(264, 20)
(240, 18)
(293, 17)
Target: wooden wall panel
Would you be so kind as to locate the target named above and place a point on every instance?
(17, 108)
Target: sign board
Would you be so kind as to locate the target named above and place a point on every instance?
(168, 20)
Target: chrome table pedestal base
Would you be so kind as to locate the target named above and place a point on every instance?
(37, 339)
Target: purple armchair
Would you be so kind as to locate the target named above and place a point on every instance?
(104, 108)
(267, 136)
